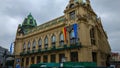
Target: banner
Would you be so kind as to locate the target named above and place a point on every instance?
(11, 46)
(75, 26)
(65, 34)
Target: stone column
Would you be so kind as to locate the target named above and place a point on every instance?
(29, 61)
(41, 58)
(48, 57)
(67, 55)
(35, 60)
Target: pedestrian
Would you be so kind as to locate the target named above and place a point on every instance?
(17, 65)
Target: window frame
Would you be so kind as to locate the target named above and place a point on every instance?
(53, 38)
(29, 44)
(61, 39)
(46, 42)
(40, 43)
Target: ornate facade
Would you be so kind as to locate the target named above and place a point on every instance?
(77, 36)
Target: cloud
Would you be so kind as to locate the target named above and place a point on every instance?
(109, 12)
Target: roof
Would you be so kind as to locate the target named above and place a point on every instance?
(29, 21)
(48, 24)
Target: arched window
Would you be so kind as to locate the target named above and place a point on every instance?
(29, 45)
(53, 40)
(72, 37)
(34, 44)
(61, 39)
(92, 36)
(46, 42)
(39, 43)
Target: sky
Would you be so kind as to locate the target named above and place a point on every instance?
(13, 12)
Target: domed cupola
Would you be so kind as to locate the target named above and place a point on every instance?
(29, 22)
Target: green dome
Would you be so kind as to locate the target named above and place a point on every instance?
(29, 22)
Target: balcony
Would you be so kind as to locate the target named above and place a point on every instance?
(51, 49)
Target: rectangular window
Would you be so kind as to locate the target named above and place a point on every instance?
(53, 58)
(31, 21)
(38, 59)
(72, 15)
(74, 56)
(32, 60)
(94, 56)
(93, 41)
(23, 50)
(92, 36)
(27, 61)
(22, 63)
(45, 58)
(61, 57)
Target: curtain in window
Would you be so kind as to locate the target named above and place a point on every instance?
(46, 40)
(34, 44)
(39, 42)
(53, 38)
(28, 44)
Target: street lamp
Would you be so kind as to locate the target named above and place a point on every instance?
(64, 59)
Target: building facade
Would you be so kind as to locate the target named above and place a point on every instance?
(115, 57)
(2, 54)
(77, 36)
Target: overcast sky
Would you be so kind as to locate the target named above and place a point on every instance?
(13, 12)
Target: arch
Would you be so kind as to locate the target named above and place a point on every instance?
(46, 42)
(39, 43)
(29, 44)
(61, 39)
(24, 46)
(34, 44)
(53, 40)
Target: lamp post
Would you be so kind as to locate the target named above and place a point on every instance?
(64, 59)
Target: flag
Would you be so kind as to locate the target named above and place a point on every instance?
(75, 26)
(11, 48)
(65, 35)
